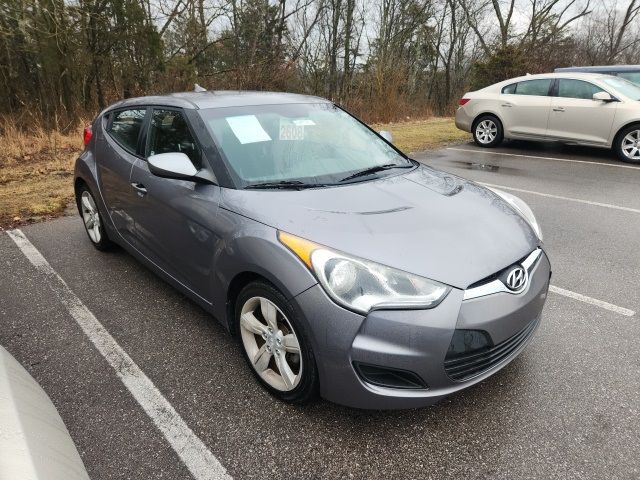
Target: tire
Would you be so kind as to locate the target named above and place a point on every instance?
(487, 131)
(92, 219)
(627, 144)
(266, 352)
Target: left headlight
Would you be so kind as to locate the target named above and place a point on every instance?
(361, 285)
(520, 207)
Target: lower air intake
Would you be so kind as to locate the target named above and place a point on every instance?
(465, 365)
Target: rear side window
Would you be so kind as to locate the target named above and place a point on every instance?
(510, 89)
(169, 132)
(577, 89)
(534, 87)
(125, 128)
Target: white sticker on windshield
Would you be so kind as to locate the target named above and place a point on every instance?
(304, 121)
(247, 129)
(290, 130)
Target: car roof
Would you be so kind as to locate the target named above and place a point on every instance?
(574, 75)
(218, 99)
(601, 68)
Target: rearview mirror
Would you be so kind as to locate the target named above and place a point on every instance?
(603, 97)
(386, 135)
(172, 165)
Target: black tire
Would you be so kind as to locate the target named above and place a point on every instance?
(619, 144)
(103, 243)
(308, 386)
(492, 122)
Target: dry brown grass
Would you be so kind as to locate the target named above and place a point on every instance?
(36, 167)
(416, 135)
(36, 171)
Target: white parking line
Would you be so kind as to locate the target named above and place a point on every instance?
(560, 197)
(592, 301)
(202, 464)
(556, 159)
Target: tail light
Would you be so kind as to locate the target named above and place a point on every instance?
(87, 134)
(463, 101)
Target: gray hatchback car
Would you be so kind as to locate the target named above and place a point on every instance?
(344, 268)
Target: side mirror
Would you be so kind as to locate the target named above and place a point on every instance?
(172, 165)
(386, 135)
(603, 97)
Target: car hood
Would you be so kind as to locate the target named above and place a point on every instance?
(425, 222)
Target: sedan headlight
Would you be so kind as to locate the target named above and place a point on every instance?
(520, 207)
(361, 285)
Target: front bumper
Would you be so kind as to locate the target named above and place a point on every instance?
(414, 340)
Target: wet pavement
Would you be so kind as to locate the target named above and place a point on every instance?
(568, 407)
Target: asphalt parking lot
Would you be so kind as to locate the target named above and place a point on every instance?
(568, 407)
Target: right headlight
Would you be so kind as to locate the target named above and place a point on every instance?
(362, 285)
(520, 207)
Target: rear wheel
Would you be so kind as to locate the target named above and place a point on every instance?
(92, 219)
(274, 343)
(627, 144)
(487, 131)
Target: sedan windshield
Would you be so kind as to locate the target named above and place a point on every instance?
(299, 145)
(625, 87)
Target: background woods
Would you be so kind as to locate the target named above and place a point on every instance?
(385, 59)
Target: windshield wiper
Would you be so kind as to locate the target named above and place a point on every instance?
(284, 184)
(372, 170)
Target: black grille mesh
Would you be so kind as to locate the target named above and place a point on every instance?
(464, 366)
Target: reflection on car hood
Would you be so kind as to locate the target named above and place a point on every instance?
(425, 222)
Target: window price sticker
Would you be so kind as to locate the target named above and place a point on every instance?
(292, 129)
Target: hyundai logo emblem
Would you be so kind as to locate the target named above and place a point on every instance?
(516, 279)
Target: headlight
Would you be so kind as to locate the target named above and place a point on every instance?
(361, 285)
(520, 207)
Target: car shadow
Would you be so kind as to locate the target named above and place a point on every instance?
(552, 149)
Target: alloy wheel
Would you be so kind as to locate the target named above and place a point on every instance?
(631, 145)
(486, 131)
(91, 217)
(271, 344)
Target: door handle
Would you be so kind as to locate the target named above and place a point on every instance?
(558, 109)
(140, 188)
(509, 105)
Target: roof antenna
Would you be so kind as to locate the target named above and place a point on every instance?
(198, 88)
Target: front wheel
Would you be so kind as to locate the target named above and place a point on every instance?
(487, 131)
(274, 343)
(627, 144)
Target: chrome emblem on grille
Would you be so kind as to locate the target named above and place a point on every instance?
(516, 279)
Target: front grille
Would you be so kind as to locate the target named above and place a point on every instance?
(462, 366)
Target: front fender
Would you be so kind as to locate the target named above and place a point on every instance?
(253, 248)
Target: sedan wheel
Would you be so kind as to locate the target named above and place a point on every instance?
(91, 217)
(631, 146)
(487, 131)
(271, 344)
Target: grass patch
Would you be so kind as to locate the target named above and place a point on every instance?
(416, 135)
(36, 174)
(36, 167)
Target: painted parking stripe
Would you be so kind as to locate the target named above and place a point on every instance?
(556, 159)
(198, 459)
(560, 197)
(592, 301)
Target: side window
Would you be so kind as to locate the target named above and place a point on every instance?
(169, 132)
(534, 87)
(576, 89)
(125, 128)
(509, 89)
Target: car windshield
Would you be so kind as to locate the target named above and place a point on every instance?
(299, 144)
(625, 87)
